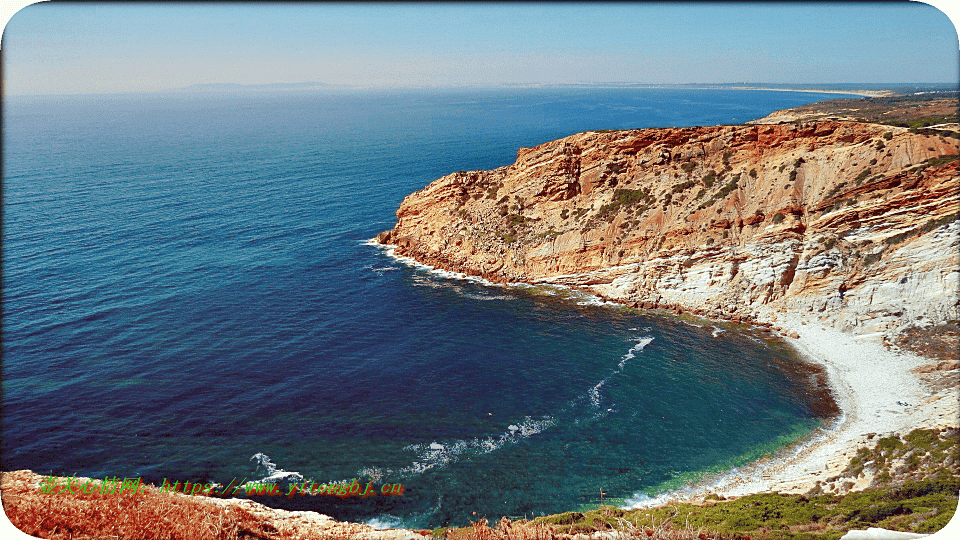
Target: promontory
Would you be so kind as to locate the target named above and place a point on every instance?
(850, 224)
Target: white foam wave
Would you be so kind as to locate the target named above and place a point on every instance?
(390, 250)
(273, 474)
(439, 455)
(641, 343)
(553, 289)
(486, 297)
(642, 500)
(384, 521)
(594, 393)
(716, 331)
(373, 473)
(379, 270)
(590, 300)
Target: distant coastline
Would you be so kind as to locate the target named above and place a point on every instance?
(864, 93)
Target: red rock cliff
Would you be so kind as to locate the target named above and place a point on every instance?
(853, 224)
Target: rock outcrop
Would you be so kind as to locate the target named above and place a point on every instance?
(850, 223)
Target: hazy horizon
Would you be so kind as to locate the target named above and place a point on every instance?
(319, 86)
(67, 49)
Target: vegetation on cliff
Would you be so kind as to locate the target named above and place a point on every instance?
(918, 112)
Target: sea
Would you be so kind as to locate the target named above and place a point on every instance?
(191, 293)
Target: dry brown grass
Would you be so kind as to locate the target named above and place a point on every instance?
(528, 530)
(505, 530)
(152, 515)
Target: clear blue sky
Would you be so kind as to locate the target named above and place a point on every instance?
(76, 48)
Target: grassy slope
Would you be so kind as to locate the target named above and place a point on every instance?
(916, 481)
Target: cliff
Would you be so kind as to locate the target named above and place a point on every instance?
(851, 224)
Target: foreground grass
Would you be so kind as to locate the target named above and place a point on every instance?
(152, 515)
(147, 516)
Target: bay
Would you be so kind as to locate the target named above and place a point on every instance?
(188, 283)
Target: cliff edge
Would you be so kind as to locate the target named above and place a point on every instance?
(851, 224)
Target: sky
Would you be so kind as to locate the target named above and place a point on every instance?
(97, 48)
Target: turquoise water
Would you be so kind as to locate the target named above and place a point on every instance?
(188, 283)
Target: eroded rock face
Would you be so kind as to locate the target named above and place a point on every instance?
(853, 224)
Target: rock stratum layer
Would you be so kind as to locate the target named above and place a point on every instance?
(852, 224)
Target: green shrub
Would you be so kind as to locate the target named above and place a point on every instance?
(888, 135)
(835, 190)
(778, 217)
(942, 160)
(753, 173)
(630, 196)
(677, 188)
(709, 179)
(515, 219)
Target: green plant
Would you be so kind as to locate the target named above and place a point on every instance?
(677, 188)
(778, 217)
(942, 160)
(836, 189)
(709, 179)
(753, 173)
(888, 135)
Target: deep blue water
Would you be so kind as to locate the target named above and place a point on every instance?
(187, 283)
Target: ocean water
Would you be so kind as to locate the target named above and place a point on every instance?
(188, 283)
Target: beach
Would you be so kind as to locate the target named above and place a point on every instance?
(862, 93)
(877, 394)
